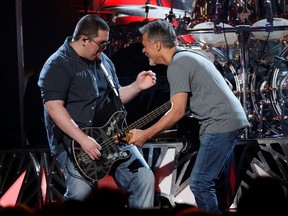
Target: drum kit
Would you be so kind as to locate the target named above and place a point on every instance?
(247, 41)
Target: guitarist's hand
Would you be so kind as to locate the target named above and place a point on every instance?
(138, 138)
(146, 79)
(92, 148)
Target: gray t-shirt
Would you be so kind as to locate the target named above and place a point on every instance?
(212, 102)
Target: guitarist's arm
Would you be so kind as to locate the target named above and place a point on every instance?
(64, 121)
(177, 111)
(144, 80)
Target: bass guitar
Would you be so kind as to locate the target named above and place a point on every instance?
(110, 137)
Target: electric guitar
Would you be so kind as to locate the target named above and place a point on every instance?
(110, 137)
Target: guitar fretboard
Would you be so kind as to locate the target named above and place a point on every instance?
(148, 117)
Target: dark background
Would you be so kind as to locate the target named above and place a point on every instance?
(44, 26)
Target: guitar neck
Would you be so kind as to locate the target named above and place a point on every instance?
(149, 117)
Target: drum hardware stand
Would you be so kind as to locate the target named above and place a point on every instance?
(236, 29)
(269, 11)
(281, 59)
(217, 28)
(147, 7)
(260, 125)
(243, 33)
(282, 101)
(284, 124)
(171, 15)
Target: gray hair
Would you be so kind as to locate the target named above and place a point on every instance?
(160, 30)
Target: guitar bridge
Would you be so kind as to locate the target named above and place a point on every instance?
(84, 160)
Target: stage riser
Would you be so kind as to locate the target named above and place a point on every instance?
(171, 166)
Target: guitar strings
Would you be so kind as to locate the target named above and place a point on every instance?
(84, 157)
(138, 124)
(141, 122)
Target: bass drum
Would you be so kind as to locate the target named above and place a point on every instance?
(279, 85)
(264, 88)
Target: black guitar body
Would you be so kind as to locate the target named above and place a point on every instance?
(111, 136)
(110, 153)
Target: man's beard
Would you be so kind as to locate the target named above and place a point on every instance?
(151, 63)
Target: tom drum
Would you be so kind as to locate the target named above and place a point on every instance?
(268, 18)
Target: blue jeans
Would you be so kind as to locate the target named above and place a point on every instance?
(213, 152)
(133, 175)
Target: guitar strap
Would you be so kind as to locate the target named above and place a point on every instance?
(110, 81)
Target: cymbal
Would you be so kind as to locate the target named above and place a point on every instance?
(94, 11)
(131, 20)
(139, 10)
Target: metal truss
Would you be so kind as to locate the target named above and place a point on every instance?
(36, 176)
